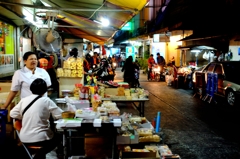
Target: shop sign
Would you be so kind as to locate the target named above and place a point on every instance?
(6, 63)
(127, 26)
(161, 38)
(130, 52)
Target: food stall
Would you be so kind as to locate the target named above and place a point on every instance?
(103, 131)
(92, 118)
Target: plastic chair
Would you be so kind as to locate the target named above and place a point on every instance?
(31, 150)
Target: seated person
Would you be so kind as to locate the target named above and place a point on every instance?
(36, 129)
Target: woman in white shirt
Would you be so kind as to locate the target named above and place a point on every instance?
(35, 122)
(23, 78)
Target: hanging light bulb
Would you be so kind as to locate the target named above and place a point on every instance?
(105, 22)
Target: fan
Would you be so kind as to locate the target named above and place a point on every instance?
(47, 40)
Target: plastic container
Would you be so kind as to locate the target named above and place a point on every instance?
(3, 120)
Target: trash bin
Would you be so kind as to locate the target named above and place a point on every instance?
(3, 121)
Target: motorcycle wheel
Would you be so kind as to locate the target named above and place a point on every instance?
(157, 77)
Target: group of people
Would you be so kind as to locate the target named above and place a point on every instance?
(151, 62)
(117, 59)
(32, 81)
(131, 71)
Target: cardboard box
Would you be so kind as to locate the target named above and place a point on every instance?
(80, 104)
(140, 155)
(97, 147)
(128, 139)
(5, 87)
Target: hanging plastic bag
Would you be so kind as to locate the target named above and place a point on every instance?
(205, 56)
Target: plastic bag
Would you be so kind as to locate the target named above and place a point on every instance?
(169, 79)
(71, 107)
(205, 56)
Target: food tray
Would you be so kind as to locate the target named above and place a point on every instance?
(91, 115)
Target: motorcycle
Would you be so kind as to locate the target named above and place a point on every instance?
(114, 65)
(163, 73)
(155, 73)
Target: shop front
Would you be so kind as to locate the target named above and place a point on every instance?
(7, 49)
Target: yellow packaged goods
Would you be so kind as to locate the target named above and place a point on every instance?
(120, 91)
(134, 95)
(68, 114)
(95, 105)
(73, 73)
(151, 138)
(66, 64)
(113, 111)
(71, 59)
(127, 148)
(151, 148)
(79, 111)
(144, 132)
(79, 74)
(73, 65)
(80, 60)
(67, 73)
(79, 64)
(129, 97)
(135, 119)
(76, 91)
(60, 72)
(79, 67)
(127, 92)
(140, 150)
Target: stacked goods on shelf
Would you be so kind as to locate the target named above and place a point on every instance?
(76, 90)
(125, 94)
(138, 152)
(72, 67)
(101, 91)
(111, 108)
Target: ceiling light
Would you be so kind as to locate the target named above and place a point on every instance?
(105, 22)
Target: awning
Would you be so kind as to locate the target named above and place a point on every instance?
(81, 17)
(199, 37)
(196, 47)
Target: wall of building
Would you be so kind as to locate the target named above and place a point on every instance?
(234, 46)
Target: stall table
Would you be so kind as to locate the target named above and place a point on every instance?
(87, 130)
(139, 106)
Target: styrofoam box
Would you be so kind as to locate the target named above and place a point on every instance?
(128, 139)
(80, 104)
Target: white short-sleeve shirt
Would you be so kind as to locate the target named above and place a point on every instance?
(35, 121)
(23, 78)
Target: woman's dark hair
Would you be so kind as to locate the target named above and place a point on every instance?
(38, 86)
(74, 52)
(27, 54)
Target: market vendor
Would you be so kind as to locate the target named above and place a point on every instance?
(72, 53)
(23, 78)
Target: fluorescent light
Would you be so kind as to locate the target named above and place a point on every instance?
(105, 22)
(96, 21)
(146, 4)
(38, 24)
